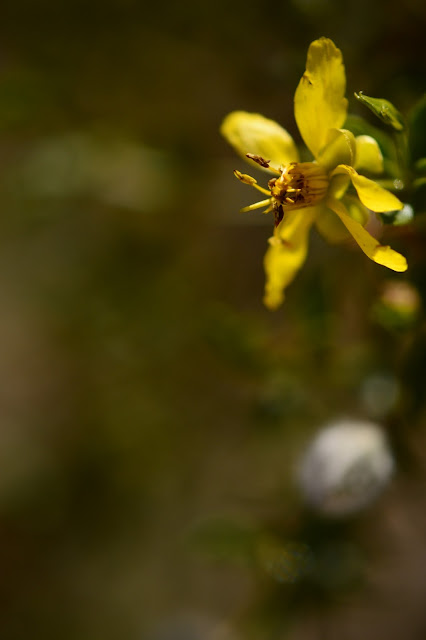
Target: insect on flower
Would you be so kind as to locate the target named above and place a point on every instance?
(305, 193)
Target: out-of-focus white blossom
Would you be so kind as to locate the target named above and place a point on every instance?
(346, 467)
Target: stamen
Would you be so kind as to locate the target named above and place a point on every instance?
(299, 185)
(243, 177)
(256, 205)
(263, 163)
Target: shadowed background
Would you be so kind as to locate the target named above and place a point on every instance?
(145, 393)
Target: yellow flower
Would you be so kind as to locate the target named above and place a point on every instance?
(303, 193)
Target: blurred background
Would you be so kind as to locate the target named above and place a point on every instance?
(152, 411)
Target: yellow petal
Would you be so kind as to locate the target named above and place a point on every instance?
(338, 186)
(319, 102)
(286, 253)
(374, 197)
(368, 155)
(372, 248)
(252, 133)
(331, 227)
(339, 149)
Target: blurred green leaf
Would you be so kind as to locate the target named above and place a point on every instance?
(234, 338)
(418, 198)
(420, 165)
(286, 561)
(417, 134)
(225, 539)
(399, 305)
(384, 110)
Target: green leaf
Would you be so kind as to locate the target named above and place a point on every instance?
(384, 110)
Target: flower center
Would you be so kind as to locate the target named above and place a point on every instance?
(301, 184)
